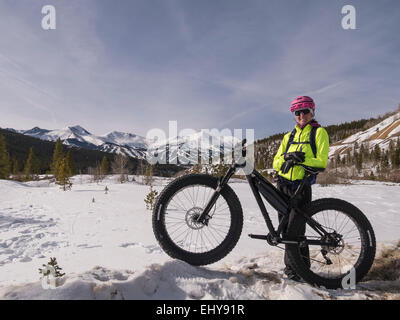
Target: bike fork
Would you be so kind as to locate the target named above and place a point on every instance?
(204, 216)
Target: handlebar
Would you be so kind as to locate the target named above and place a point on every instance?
(311, 170)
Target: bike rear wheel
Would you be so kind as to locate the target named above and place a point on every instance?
(333, 266)
(175, 223)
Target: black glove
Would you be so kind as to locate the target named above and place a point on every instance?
(297, 157)
(286, 166)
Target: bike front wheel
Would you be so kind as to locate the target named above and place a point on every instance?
(175, 224)
(350, 245)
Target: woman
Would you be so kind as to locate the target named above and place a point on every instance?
(307, 144)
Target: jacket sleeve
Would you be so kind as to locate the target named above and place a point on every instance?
(322, 144)
(278, 159)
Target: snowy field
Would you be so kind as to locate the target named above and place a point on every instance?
(105, 245)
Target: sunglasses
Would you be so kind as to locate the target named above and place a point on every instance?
(304, 111)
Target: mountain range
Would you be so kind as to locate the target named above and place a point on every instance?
(114, 142)
(135, 146)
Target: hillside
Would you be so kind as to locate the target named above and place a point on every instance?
(373, 153)
(380, 135)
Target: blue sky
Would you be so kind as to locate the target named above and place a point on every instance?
(132, 65)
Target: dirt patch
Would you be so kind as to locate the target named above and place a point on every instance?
(385, 131)
(386, 266)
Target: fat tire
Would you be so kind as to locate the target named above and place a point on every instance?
(204, 258)
(368, 243)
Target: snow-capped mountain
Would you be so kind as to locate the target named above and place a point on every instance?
(36, 131)
(380, 134)
(188, 149)
(127, 139)
(115, 142)
(184, 148)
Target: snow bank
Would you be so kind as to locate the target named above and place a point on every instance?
(248, 279)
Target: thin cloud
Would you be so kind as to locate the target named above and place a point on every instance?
(178, 14)
(327, 88)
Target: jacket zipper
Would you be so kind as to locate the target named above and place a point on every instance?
(291, 173)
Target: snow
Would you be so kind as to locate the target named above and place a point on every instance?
(105, 244)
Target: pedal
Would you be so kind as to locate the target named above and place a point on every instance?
(258, 236)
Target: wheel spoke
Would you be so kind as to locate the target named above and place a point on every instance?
(343, 257)
(181, 215)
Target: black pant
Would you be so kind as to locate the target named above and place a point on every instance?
(304, 198)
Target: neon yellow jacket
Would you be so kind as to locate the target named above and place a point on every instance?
(303, 135)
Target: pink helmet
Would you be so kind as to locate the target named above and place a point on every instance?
(302, 102)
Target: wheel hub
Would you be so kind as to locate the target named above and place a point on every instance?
(334, 243)
(191, 218)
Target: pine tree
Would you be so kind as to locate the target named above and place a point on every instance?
(259, 164)
(348, 157)
(364, 153)
(355, 157)
(15, 166)
(63, 176)
(385, 162)
(371, 176)
(105, 168)
(5, 167)
(391, 146)
(70, 162)
(148, 175)
(151, 198)
(396, 158)
(53, 263)
(377, 153)
(337, 160)
(31, 166)
(58, 156)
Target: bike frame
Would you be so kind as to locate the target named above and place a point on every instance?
(282, 203)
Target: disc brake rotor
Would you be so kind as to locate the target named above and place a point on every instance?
(191, 218)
